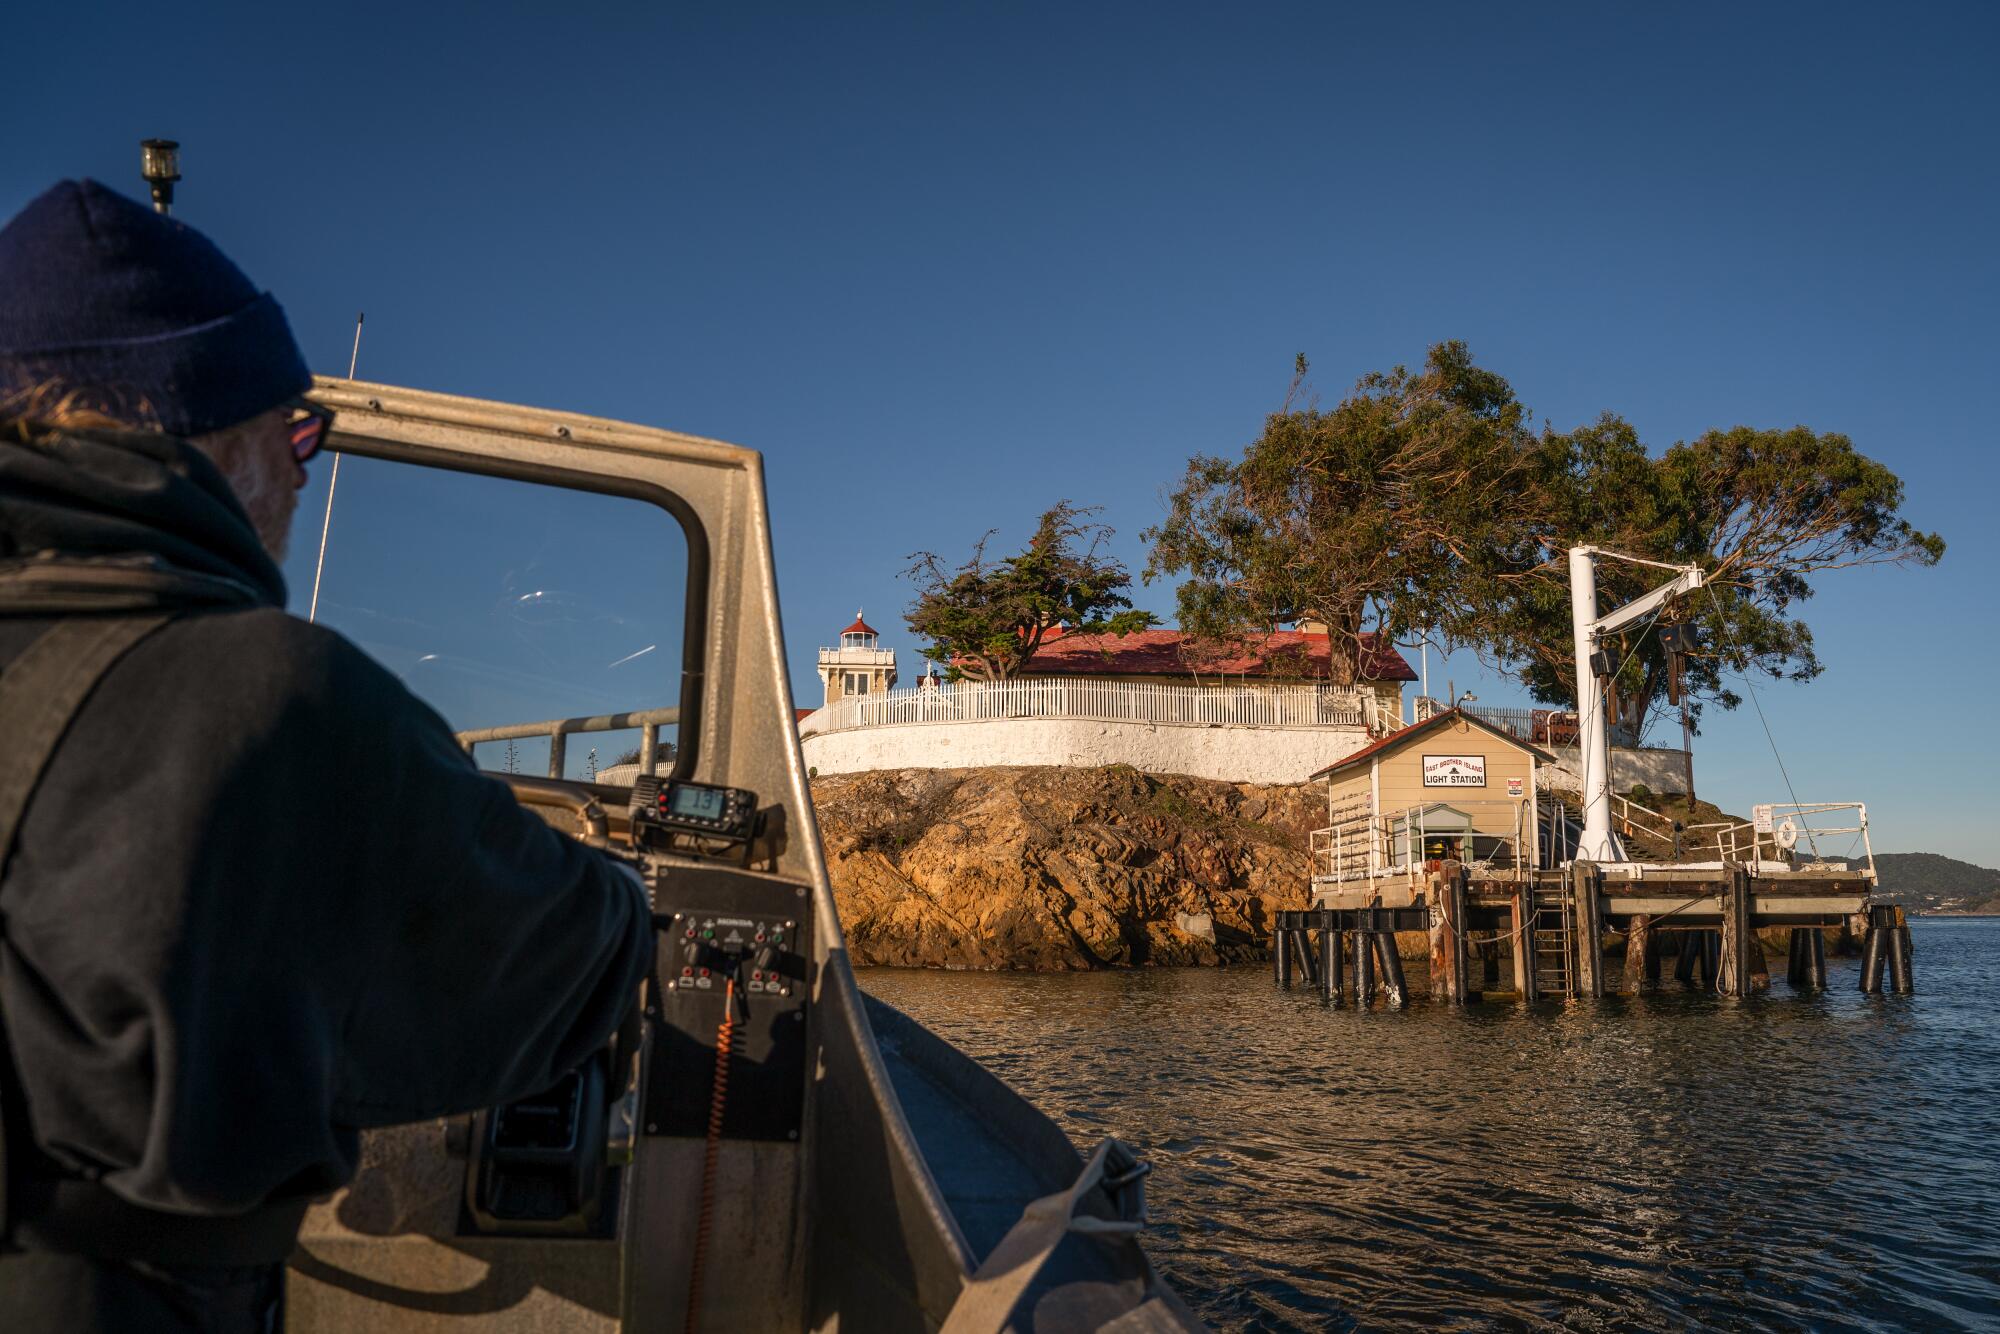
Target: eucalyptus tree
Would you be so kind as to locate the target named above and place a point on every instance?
(1765, 513)
(1383, 514)
(1424, 505)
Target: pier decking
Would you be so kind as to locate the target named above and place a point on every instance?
(1701, 917)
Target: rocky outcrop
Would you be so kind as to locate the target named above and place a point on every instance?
(1061, 868)
(1072, 868)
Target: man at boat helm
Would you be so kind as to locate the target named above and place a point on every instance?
(253, 897)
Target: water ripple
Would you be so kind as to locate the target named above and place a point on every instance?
(1658, 1162)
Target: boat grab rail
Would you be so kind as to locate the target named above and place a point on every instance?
(558, 730)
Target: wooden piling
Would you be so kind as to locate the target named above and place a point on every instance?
(1815, 960)
(1440, 933)
(1394, 990)
(1281, 955)
(1308, 965)
(1872, 953)
(1456, 889)
(1732, 978)
(1523, 943)
(1689, 958)
(1638, 946)
(1364, 968)
(1449, 973)
(1795, 964)
(1900, 978)
(1329, 964)
(1586, 908)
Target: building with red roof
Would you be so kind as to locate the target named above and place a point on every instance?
(1150, 655)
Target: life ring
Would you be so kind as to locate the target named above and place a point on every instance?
(1786, 835)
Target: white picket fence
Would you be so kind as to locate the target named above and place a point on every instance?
(1108, 701)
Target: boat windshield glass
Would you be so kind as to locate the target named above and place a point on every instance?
(502, 602)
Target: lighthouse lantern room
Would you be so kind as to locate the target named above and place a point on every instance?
(860, 666)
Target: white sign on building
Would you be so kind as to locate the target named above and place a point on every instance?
(1454, 771)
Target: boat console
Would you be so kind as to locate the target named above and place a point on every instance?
(754, 1148)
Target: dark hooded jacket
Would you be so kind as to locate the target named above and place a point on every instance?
(260, 898)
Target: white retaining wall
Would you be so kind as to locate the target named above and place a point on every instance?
(1233, 754)
(1659, 769)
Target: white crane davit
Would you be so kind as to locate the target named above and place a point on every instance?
(1597, 844)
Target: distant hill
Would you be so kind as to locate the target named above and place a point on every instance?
(1927, 882)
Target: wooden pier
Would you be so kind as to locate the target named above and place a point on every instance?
(1701, 920)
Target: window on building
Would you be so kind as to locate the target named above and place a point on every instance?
(857, 684)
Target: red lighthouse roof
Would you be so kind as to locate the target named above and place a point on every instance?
(860, 627)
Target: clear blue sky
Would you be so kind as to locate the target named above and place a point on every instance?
(947, 264)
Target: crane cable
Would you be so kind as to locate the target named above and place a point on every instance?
(1751, 687)
(718, 1100)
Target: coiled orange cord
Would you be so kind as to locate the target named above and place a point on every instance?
(718, 1098)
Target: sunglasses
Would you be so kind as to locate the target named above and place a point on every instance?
(308, 426)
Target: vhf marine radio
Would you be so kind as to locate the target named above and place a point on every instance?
(670, 811)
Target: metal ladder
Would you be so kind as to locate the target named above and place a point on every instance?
(1554, 941)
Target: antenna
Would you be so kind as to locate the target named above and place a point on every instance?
(326, 525)
(160, 164)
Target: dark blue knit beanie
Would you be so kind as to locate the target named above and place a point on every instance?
(99, 293)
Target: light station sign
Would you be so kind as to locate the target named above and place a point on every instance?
(1454, 771)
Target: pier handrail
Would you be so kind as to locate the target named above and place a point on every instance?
(1741, 840)
(1630, 813)
(1730, 840)
(1355, 845)
(1345, 843)
(1303, 705)
(1365, 846)
(1564, 833)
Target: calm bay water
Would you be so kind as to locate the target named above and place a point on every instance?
(1656, 1162)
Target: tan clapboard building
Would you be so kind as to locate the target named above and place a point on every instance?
(1450, 788)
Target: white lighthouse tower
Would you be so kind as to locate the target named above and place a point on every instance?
(860, 666)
